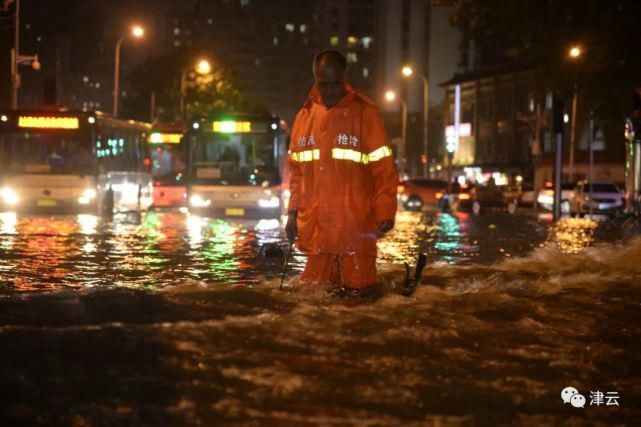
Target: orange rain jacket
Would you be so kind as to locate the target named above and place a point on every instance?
(343, 179)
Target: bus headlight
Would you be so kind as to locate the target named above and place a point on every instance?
(272, 202)
(197, 201)
(9, 196)
(87, 196)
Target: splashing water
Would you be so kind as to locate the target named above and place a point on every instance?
(177, 321)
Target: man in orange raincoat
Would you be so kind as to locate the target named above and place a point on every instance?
(343, 179)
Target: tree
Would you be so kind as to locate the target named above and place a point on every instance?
(539, 33)
(207, 94)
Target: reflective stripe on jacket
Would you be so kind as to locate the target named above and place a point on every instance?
(343, 179)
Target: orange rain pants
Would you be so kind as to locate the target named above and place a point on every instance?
(343, 183)
(348, 270)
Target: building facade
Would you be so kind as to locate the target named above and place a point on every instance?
(505, 127)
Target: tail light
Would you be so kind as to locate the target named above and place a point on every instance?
(464, 196)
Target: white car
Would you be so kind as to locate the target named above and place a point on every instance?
(605, 198)
(545, 199)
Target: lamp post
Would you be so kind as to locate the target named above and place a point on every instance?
(390, 96)
(202, 67)
(137, 32)
(574, 53)
(17, 59)
(407, 71)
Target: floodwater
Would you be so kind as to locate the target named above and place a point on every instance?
(171, 319)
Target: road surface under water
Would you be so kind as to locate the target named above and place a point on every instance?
(170, 319)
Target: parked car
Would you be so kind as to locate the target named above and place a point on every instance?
(605, 198)
(457, 199)
(545, 199)
(527, 196)
(483, 197)
(414, 193)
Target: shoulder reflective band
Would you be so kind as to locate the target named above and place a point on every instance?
(380, 153)
(305, 156)
(48, 122)
(347, 154)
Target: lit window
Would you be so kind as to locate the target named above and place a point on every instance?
(367, 41)
(39, 39)
(244, 2)
(303, 28)
(176, 31)
(333, 40)
(352, 41)
(176, 43)
(97, 85)
(365, 72)
(275, 41)
(257, 61)
(352, 57)
(85, 79)
(210, 21)
(290, 27)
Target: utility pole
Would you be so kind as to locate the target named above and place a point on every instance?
(573, 135)
(558, 106)
(15, 77)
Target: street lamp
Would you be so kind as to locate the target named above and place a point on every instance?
(390, 96)
(574, 53)
(407, 72)
(136, 32)
(202, 67)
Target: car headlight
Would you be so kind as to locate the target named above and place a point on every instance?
(9, 196)
(197, 201)
(272, 202)
(87, 196)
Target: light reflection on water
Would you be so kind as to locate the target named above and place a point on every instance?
(160, 248)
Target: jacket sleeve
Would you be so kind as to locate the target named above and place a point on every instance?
(295, 174)
(381, 164)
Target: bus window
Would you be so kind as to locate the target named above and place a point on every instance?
(48, 153)
(236, 159)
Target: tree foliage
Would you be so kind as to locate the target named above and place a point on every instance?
(205, 95)
(539, 34)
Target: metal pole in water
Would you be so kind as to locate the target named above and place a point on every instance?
(289, 253)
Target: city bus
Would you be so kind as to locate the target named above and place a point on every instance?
(235, 166)
(168, 165)
(75, 162)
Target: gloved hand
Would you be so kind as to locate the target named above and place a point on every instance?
(290, 228)
(385, 226)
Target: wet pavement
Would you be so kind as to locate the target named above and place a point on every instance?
(172, 319)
